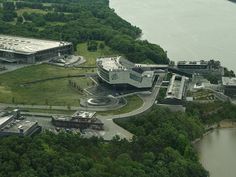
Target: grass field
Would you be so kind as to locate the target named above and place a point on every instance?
(91, 56)
(133, 102)
(54, 92)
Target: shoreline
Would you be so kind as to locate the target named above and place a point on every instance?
(226, 123)
(168, 43)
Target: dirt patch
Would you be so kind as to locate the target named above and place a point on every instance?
(227, 124)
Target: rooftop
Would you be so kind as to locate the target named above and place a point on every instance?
(77, 115)
(229, 81)
(27, 45)
(112, 63)
(176, 87)
(5, 119)
(84, 114)
(201, 62)
(121, 64)
(16, 125)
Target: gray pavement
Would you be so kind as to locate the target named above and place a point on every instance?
(112, 129)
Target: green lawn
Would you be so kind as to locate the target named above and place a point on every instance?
(54, 92)
(92, 56)
(133, 102)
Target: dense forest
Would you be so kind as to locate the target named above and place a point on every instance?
(161, 148)
(213, 112)
(78, 21)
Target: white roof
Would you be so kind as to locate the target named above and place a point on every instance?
(84, 114)
(27, 45)
(112, 63)
(4, 119)
(229, 81)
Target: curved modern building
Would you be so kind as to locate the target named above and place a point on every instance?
(117, 70)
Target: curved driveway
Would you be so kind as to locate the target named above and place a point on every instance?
(112, 129)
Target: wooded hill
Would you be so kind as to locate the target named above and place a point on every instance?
(78, 21)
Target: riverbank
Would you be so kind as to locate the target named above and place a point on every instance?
(188, 30)
(216, 152)
(226, 123)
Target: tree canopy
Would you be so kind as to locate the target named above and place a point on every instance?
(78, 21)
(161, 148)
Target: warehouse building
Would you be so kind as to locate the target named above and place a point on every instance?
(229, 86)
(29, 50)
(119, 71)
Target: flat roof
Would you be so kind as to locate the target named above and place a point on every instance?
(16, 125)
(84, 114)
(4, 119)
(27, 45)
(112, 63)
(229, 81)
(176, 87)
(78, 114)
(201, 62)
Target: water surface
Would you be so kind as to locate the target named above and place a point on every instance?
(187, 29)
(217, 152)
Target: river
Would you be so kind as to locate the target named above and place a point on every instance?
(217, 152)
(192, 30)
(186, 29)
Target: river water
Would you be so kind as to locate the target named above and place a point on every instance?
(193, 30)
(217, 152)
(186, 29)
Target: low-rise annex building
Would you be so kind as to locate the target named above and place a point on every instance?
(176, 90)
(29, 50)
(201, 67)
(11, 125)
(229, 86)
(80, 119)
(119, 71)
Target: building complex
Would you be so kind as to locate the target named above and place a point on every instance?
(29, 50)
(119, 71)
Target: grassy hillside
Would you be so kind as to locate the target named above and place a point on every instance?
(55, 92)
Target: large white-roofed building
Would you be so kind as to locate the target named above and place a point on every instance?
(119, 71)
(29, 50)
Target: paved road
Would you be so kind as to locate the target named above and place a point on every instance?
(62, 108)
(112, 129)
